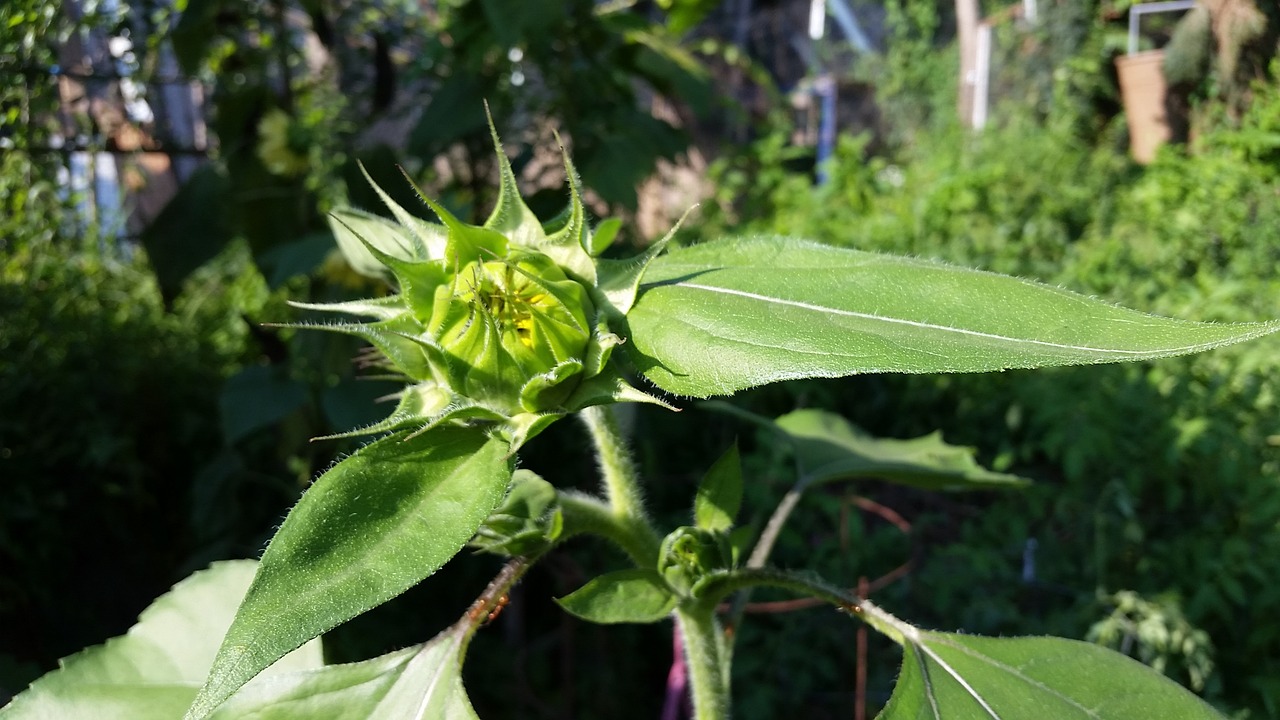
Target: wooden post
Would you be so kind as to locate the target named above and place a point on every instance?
(967, 37)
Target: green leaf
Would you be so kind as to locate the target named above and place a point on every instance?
(423, 681)
(370, 528)
(727, 315)
(300, 257)
(606, 231)
(946, 675)
(638, 595)
(830, 448)
(256, 397)
(720, 493)
(154, 670)
(192, 228)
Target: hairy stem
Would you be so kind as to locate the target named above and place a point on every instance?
(621, 482)
(714, 587)
(491, 601)
(586, 514)
(622, 486)
(708, 673)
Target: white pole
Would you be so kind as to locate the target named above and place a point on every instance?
(982, 71)
(817, 19)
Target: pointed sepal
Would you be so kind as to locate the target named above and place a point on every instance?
(570, 245)
(427, 239)
(511, 216)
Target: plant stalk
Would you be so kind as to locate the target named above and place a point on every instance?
(708, 681)
(587, 514)
(622, 486)
(621, 481)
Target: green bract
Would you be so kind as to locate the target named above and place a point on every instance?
(506, 322)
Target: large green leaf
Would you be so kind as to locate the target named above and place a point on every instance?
(727, 315)
(155, 669)
(945, 675)
(423, 681)
(370, 528)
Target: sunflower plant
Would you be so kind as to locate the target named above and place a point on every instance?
(501, 329)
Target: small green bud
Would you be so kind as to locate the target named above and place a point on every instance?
(690, 553)
(528, 521)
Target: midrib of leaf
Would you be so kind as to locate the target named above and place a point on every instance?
(954, 676)
(1012, 671)
(927, 680)
(455, 643)
(946, 328)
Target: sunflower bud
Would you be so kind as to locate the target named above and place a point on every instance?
(689, 554)
(507, 322)
(514, 332)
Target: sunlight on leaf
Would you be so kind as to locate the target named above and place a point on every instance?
(155, 669)
(723, 316)
(948, 675)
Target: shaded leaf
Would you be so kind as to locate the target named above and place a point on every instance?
(727, 315)
(257, 397)
(155, 669)
(370, 528)
(299, 257)
(191, 229)
(829, 448)
(638, 595)
(720, 493)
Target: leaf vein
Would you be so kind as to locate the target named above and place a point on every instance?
(945, 328)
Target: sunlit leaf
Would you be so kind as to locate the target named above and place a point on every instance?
(423, 681)
(945, 675)
(155, 669)
(719, 317)
(638, 595)
(370, 528)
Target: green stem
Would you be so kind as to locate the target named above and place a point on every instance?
(708, 680)
(621, 481)
(764, 546)
(713, 588)
(622, 487)
(589, 515)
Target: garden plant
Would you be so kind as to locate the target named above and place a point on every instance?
(502, 329)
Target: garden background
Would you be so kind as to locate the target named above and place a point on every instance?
(165, 174)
